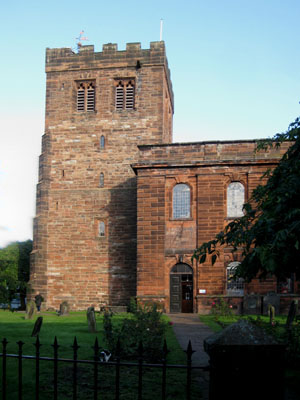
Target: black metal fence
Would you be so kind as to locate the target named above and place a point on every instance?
(96, 363)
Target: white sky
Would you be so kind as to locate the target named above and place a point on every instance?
(235, 69)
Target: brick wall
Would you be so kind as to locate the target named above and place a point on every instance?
(207, 168)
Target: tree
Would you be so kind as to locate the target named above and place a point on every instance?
(14, 269)
(269, 231)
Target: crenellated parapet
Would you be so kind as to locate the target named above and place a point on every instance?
(65, 59)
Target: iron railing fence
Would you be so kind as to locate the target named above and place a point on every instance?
(141, 365)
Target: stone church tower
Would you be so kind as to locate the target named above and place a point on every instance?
(99, 107)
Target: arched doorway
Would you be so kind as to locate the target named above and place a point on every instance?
(181, 289)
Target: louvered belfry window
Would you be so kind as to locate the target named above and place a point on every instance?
(119, 96)
(124, 94)
(85, 96)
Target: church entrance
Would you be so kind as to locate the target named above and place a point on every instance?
(181, 289)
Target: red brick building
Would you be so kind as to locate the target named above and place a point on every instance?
(186, 193)
(120, 209)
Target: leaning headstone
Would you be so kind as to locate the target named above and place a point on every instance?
(37, 327)
(271, 313)
(30, 309)
(292, 313)
(252, 304)
(271, 299)
(91, 319)
(64, 309)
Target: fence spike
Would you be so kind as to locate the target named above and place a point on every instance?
(189, 351)
(96, 346)
(118, 347)
(165, 348)
(4, 342)
(140, 349)
(55, 345)
(20, 344)
(75, 345)
(37, 343)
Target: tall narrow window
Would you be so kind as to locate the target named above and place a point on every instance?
(119, 96)
(129, 104)
(90, 100)
(124, 94)
(85, 96)
(235, 199)
(80, 97)
(101, 228)
(181, 201)
(235, 286)
(102, 142)
(101, 180)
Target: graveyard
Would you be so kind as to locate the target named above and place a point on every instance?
(18, 329)
(55, 331)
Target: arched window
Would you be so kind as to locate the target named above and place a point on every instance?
(101, 228)
(234, 286)
(181, 201)
(101, 180)
(85, 96)
(235, 199)
(102, 142)
(124, 94)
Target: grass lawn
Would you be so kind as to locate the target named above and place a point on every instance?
(14, 327)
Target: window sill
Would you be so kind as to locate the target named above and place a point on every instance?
(181, 219)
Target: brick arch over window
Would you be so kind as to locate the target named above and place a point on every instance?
(235, 199)
(181, 201)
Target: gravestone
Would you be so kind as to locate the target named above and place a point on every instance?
(252, 304)
(271, 313)
(245, 356)
(271, 299)
(37, 327)
(292, 313)
(30, 309)
(64, 309)
(91, 319)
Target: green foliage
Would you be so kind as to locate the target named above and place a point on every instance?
(269, 231)
(220, 307)
(145, 325)
(14, 269)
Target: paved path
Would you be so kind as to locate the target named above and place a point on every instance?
(189, 327)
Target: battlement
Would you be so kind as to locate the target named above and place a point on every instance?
(66, 58)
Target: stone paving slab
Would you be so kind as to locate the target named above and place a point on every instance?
(189, 327)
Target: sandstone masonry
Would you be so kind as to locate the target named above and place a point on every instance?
(85, 226)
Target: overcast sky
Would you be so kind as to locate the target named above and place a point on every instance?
(235, 69)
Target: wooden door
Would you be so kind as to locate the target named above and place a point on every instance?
(187, 297)
(175, 293)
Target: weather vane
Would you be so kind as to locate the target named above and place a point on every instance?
(80, 38)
